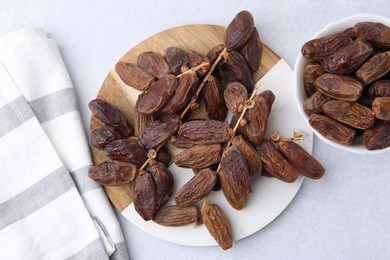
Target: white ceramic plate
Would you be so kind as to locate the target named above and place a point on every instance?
(299, 92)
(270, 196)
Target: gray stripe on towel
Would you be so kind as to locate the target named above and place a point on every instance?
(94, 250)
(82, 181)
(120, 252)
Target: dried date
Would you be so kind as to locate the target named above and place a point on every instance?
(164, 157)
(154, 63)
(199, 156)
(339, 87)
(163, 181)
(256, 120)
(269, 97)
(145, 198)
(141, 121)
(127, 150)
(235, 96)
(255, 166)
(175, 216)
(376, 33)
(177, 60)
(252, 50)
(134, 76)
(212, 93)
(381, 108)
(180, 142)
(380, 88)
(314, 103)
(113, 173)
(239, 30)
(195, 59)
(375, 68)
(312, 72)
(102, 136)
(377, 137)
(213, 54)
(205, 132)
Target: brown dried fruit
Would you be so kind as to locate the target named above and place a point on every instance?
(234, 177)
(375, 68)
(175, 216)
(252, 50)
(195, 59)
(350, 113)
(339, 87)
(256, 120)
(213, 54)
(205, 132)
(154, 63)
(157, 95)
(376, 33)
(275, 163)
(380, 88)
(312, 72)
(255, 166)
(212, 93)
(377, 137)
(239, 30)
(163, 181)
(381, 108)
(164, 157)
(318, 49)
(218, 225)
(113, 173)
(348, 58)
(159, 131)
(134, 76)
(301, 160)
(141, 121)
(349, 31)
(235, 96)
(314, 103)
(180, 142)
(199, 156)
(197, 188)
(269, 97)
(177, 60)
(102, 136)
(145, 201)
(332, 130)
(127, 150)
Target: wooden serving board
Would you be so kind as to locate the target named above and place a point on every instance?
(200, 38)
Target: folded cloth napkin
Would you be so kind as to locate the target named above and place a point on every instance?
(49, 208)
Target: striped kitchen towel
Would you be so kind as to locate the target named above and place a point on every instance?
(49, 208)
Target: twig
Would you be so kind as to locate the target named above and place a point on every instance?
(195, 69)
(275, 137)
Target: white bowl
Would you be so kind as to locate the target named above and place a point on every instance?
(299, 92)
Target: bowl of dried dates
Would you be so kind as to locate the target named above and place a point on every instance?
(342, 84)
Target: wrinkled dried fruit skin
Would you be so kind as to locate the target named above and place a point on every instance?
(274, 162)
(159, 131)
(141, 121)
(375, 33)
(205, 132)
(134, 76)
(195, 59)
(239, 30)
(157, 95)
(257, 120)
(212, 93)
(375, 68)
(163, 181)
(312, 72)
(234, 68)
(196, 189)
(332, 130)
(252, 50)
(339, 87)
(314, 103)
(199, 156)
(377, 137)
(177, 59)
(269, 97)
(348, 58)
(235, 96)
(234, 177)
(164, 157)
(109, 115)
(255, 166)
(213, 54)
(349, 31)
(184, 91)
(380, 88)
(318, 49)
(301, 160)
(102, 136)
(127, 150)
(180, 143)
(175, 216)
(113, 173)
(154, 63)
(145, 198)
(218, 225)
(381, 108)
(350, 113)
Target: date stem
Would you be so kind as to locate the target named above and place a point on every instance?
(194, 69)
(275, 137)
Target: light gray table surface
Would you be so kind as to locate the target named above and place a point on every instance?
(345, 215)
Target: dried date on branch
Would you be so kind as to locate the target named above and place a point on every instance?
(145, 198)
(199, 156)
(350, 113)
(113, 173)
(213, 54)
(301, 160)
(252, 50)
(205, 132)
(212, 93)
(377, 137)
(127, 150)
(312, 72)
(256, 121)
(102, 136)
(159, 131)
(154, 63)
(180, 143)
(141, 121)
(318, 49)
(195, 59)
(235, 96)
(197, 188)
(381, 108)
(274, 162)
(177, 60)
(163, 181)
(134, 76)
(157, 95)
(375, 33)
(339, 87)
(269, 97)
(375, 68)
(175, 216)
(332, 130)
(239, 30)
(380, 88)
(218, 225)
(164, 157)
(314, 103)
(255, 166)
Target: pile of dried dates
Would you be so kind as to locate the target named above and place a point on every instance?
(347, 84)
(171, 85)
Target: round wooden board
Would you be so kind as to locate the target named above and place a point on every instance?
(200, 38)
